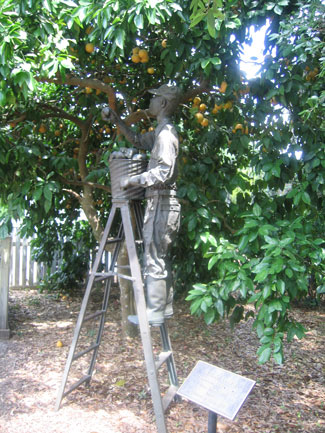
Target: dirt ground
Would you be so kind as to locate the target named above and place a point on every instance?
(286, 399)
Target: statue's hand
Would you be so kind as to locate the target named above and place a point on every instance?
(124, 183)
(108, 114)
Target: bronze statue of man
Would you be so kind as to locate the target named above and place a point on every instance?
(162, 214)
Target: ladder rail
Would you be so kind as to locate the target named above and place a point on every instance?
(84, 306)
(143, 320)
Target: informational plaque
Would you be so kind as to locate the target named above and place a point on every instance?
(216, 389)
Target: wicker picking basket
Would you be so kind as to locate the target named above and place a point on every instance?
(121, 168)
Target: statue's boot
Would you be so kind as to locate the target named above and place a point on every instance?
(169, 301)
(156, 302)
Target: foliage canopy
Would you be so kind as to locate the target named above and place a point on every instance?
(252, 164)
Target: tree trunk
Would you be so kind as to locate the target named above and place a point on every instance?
(126, 296)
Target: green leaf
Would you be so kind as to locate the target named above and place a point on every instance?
(254, 297)
(195, 305)
(212, 262)
(38, 193)
(192, 223)
(47, 205)
(257, 211)
(275, 306)
(203, 212)
(280, 285)
(261, 276)
(209, 316)
(191, 193)
(211, 24)
(47, 192)
(306, 198)
(119, 38)
(138, 20)
(220, 307)
(268, 331)
(278, 10)
(278, 357)
(243, 242)
(201, 287)
(265, 355)
(205, 63)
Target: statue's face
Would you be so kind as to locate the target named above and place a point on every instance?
(157, 103)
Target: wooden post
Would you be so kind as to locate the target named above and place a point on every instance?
(5, 252)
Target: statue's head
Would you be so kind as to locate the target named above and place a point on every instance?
(166, 100)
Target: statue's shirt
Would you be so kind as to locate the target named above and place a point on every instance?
(162, 167)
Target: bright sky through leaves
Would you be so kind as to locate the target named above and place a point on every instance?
(253, 54)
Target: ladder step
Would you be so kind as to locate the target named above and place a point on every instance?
(123, 266)
(162, 357)
(168, 397)
(100, 276)
(93, 315)
(83, 352)
(126, 277)
(114, 240)
(75, 385)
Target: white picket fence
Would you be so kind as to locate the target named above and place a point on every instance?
(24, 271)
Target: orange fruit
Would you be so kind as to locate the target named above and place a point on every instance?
(202, 108)
(216, 108)
(205, 122)
(227, 105)
(135, 58)
(199, 117)
(88, 90)
(143, 53)
(164, 43)
(237, 127)
(223, 87)
(59, 342)
(42, 129)
(196, 100)
(89, 48)
(151, 71)
(57, 132)
(135, 50)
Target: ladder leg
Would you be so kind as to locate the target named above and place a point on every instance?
(143, 321)
(105, 304)
(170, 361)
(83, 309)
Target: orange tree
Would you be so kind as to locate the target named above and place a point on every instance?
(251, 161)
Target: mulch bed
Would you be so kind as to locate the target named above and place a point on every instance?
(285, 399)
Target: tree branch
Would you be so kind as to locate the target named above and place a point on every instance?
(82, 183)
(70, 80)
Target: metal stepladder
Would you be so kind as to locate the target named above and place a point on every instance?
(130, 211)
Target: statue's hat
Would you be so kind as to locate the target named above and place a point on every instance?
(167, 91)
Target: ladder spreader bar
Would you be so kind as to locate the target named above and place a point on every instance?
(168, 397)
(83, 352)
(162, 357)
(93, 315)
(75, 385)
